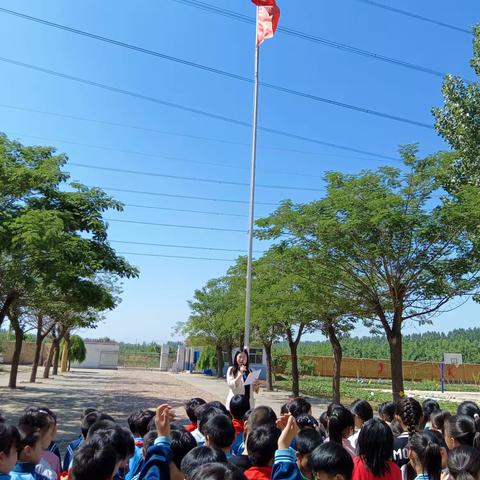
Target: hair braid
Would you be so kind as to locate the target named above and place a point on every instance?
(410, 411)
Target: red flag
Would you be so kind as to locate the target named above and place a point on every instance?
(268, 15)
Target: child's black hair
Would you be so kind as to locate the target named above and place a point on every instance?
(191, 406)
(386, 410)
(101, 424)
(50, 413)
(464, 463)
(29, 436)
(262, 444)
(285, 409)
(472, 410)
(307, 422)
(332, 406)
(262, 415)
(463, 429)
(119, 438)
(439, 418)
(239, 406)
(181, 444)
(36, 418)
(220, 431)
(429, 406)
(200, 456)
(9, 438)
(340, 419)
(300, 406)
(362, 409)
(307, 441)
(332, 459)
(217, 471)
(411, 413)
(324, 420)
(90, 418)
(138, 421)
(149, 439)
(94, 459)
(427, 447)
(205, 413)
(375, 446)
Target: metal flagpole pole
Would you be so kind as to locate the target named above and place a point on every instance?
(248, 293)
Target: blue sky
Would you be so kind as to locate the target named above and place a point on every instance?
(157, 300)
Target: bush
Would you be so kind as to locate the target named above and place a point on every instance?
(305, 367)
(207, 359)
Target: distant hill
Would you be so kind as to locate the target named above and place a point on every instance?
(429, 346)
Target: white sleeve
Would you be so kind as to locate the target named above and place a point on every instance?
(231, 380)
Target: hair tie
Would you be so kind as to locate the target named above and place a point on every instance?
(476, 416)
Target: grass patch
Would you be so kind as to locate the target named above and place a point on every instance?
(364, 389)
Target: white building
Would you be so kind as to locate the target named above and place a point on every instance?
(100, 354)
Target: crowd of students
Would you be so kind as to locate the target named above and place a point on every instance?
(405, 441)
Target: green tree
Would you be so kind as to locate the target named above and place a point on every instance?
(403, 254)
(458, 122)
(77, 352)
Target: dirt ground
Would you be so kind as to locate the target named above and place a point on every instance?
(117, 392)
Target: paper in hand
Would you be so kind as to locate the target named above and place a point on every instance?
(252, 377)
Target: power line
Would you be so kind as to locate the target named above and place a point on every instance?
(416, 16)
(164, 132)
(192, 179)
(188, 197)
(181, 246)
(170, 225)
(217, 71)
(313, 38)
(191, 109)
(184, 210)
(177, 256)
(153, 155)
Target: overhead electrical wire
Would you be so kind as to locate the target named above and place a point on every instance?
(192, 179)
(188, 197)
(177, 256)
(416, 16)
(184, 210)
(127, 242)
(192, 110)
(175, 134)
(217, 71)
(313, 38)
(170, 225)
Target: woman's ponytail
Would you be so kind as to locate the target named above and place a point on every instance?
(340, 418)
(427, 447)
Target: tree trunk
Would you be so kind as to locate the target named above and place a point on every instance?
(268, 354)
(51, 353)
(56, 358)
(69, 364)
(396, 358)
(12, 295)
(229, 347)
(337, 362)
(12, 382)
(66, 348)
(38, 350)
(219, 353)
(294, 360)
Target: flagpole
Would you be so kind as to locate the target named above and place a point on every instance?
(248, 295)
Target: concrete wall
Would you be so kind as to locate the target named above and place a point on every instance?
(27, 355)
(100, 355)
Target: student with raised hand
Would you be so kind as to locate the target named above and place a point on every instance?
(409, 415)
(464, 463)
(425, 456)
(375, 446)
(461, 430)
(285, 465)
(9, 446)
(362, 412)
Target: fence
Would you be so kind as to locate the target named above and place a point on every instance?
(380, 369)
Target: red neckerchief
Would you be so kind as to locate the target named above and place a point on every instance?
(239, 426)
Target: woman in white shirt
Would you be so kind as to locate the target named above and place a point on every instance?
(236, 376)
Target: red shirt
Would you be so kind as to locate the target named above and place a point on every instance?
(191, 427)
(258, 473)
(239, 426)
(361, 471)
